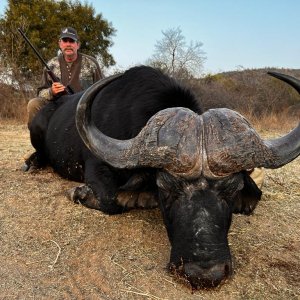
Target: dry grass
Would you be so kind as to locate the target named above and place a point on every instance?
(54, 249)
(13, 103)
(273, 122)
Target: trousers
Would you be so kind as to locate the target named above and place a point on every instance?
(33, 106)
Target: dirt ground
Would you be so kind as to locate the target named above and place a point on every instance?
(53, 249)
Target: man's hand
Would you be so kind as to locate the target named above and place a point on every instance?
(57, 87)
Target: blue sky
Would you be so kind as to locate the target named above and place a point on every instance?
(234, 33)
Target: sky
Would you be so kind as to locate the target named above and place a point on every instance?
(236, 34)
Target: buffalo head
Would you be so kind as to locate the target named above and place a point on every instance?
(200, 162)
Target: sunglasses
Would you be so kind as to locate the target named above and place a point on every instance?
(65, 40)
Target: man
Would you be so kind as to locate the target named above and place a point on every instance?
(75, 69)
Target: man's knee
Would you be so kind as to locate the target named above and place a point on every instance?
(33, 106)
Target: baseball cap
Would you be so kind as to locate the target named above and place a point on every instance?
(69, 32)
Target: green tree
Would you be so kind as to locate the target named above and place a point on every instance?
(177, 58)
(42, 20)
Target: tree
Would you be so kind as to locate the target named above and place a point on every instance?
(42, 20)
(173, 56)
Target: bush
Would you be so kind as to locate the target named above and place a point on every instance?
(12, 104)
(250, 92)
(247, 91)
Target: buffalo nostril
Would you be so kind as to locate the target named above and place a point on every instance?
(200, 277)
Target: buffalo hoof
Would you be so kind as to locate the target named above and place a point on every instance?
(130, 199)
(29, 169)
(84, 195)
(25, 167)
(31, 163)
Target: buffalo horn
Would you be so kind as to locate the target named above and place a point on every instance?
(230, 145)
(285, 148)
(101, 145)
(295, 83)
(218, 143)
(159, 143)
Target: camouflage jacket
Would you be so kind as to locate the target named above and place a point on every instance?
(79, 75)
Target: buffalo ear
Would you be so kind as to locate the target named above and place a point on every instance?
(248, 197)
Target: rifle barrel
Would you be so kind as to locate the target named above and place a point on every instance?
(33, 48)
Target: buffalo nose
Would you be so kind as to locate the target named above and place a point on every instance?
(200, 277)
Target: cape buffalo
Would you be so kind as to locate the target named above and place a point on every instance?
(192, 163)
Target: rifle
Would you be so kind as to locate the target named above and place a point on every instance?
(68, 90)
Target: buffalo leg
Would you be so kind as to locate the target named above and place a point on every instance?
(137, 199)
(82, 194)
(138, 192)
(103, 183)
